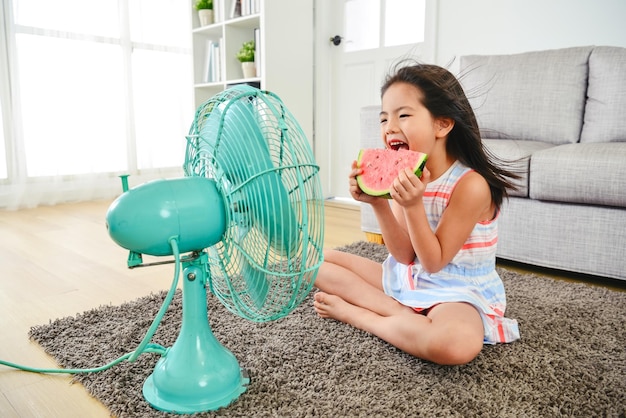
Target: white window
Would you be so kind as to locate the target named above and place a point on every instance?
(100, 88)
(72, 97)
(373, 24)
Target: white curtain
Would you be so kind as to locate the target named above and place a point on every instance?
(91, 90)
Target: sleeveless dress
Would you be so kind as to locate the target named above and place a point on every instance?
(470, 277)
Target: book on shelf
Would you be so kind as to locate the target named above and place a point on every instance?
(230, 9)
(213, 66)
(238, 8)
(235, 8)
(257, 51)
(207, 63)
(250, 7)
(218, 10)
(222, 59)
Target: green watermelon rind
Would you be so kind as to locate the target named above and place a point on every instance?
(417, 169)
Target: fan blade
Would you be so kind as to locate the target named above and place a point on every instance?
(275, 216)
(257, 285)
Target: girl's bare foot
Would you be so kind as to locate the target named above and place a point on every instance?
(332, 306)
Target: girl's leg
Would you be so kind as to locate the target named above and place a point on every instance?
(368, 270)
(357, 280)
(451, 333)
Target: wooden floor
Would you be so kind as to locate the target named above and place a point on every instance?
(59, 261)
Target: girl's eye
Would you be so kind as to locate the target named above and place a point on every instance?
(404, 116)
(383, 120)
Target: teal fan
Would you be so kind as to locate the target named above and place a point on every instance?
(249, 216)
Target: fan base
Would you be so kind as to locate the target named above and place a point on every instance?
(183, 405)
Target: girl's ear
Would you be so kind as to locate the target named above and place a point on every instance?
(444, 126)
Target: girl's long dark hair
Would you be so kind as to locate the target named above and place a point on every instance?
(443, 96)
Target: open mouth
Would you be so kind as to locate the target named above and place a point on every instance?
(397, 145)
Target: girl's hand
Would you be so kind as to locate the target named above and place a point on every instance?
(408, 189)
(355, 190)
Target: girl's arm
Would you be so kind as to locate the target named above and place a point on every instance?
(394, 231)
(392, 226)
(469, 204)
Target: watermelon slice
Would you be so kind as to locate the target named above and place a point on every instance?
(382, 165)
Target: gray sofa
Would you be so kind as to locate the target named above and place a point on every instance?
(559, 118)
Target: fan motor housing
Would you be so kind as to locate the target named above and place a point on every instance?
(144, 218)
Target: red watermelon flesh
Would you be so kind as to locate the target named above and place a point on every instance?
(381, 167)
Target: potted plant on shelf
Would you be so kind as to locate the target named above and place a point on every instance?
(246, 58)
(205, 11)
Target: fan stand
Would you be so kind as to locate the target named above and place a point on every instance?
(197, 373)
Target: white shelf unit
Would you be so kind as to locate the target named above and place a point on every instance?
(229, 35)
(285, 60)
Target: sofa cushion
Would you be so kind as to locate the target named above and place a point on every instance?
(605, 113)
(537, 96)
(580, 173)
(514, 156)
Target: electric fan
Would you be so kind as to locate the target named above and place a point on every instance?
(249, 213)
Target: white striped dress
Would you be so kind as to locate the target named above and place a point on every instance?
(470, 277)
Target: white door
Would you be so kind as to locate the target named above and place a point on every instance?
(349, 73)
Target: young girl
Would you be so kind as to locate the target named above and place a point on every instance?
(438, 295)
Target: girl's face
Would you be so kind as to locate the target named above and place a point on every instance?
(404, 121)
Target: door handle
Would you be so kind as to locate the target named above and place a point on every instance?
(336, 40)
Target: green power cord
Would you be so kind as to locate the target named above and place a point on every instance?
(144, 346)
(151, 348)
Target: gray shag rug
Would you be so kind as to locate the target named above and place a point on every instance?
(570, 361)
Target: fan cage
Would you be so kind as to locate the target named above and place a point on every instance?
(248, 142)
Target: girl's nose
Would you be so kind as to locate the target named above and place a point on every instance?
(390, 129)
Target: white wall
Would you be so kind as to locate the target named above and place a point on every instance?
(511, 26)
